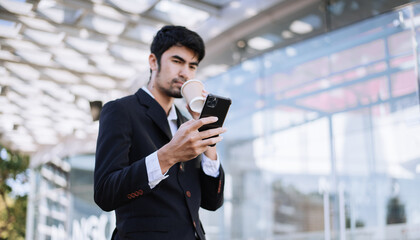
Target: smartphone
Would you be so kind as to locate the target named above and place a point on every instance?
(215, 106)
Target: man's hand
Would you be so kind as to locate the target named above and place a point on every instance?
(188, 142)
(196, 115)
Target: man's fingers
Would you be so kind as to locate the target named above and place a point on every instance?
(212, 132)
(203, 121)
(212, 141)
(189, 122)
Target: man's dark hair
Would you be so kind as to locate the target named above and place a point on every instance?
(169, 36)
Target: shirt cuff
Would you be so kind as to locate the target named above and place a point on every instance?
(210, 167)
(154, 172)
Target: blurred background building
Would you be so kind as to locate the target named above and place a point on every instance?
(324, 129)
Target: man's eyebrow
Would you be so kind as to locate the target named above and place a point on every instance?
(179, 58)
(183, 60)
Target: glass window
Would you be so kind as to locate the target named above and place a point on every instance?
(323, 134)
(344, 12)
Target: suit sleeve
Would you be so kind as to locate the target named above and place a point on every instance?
(116, 182)
(212, 190)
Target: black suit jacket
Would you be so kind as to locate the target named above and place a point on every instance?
(130, 129)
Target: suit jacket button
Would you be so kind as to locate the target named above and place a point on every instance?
(195, 226)
(188, 193)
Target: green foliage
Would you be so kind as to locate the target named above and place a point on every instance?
(13, 166)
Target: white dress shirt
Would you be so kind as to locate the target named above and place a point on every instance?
(154, 172)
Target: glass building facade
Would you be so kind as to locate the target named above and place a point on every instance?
(323, 140)
(61, 205)
(323, 136)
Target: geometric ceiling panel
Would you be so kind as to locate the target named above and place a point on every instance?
(57, 56)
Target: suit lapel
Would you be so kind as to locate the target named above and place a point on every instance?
(180, 118)
(155, 112)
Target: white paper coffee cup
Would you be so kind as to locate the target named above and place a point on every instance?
(192, 91)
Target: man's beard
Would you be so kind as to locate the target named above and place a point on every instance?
(173, 92)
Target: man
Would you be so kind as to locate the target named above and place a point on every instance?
(152, 165)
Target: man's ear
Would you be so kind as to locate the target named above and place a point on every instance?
(153, 62)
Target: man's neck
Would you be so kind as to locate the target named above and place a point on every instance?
(164, 101)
